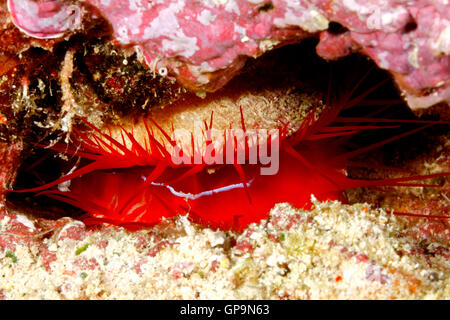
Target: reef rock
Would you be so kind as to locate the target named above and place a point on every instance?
(205, 43)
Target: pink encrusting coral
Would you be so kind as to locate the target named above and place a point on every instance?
(204, 43)
(45, 19)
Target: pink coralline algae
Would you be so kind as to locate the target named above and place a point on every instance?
(205, 43)
(44, 19)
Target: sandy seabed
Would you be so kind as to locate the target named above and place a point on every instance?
(334, 251)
